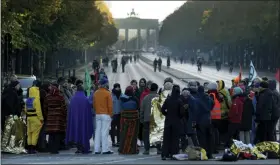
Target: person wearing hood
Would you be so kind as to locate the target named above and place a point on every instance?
(204, 107)
(189, 119)
(115, 124)
(276, 104)
(146, 91)
(216, 113)
(145, 117)
(10, 103)
(172, 110)
(79, 122)
(235, 115)
(34, 118)
(264, 112)
(225, 105)
(129, 122)
(103, 106)
(56, 114)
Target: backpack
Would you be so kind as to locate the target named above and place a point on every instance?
(30, 104)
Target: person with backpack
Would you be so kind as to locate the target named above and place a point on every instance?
(34, 118)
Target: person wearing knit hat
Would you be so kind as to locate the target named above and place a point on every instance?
(145, 116)
(129, 115)
(104, 83)
(103, 106)
(235, 115)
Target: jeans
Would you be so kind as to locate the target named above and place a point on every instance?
(103, 123)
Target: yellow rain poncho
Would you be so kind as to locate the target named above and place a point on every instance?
(34, 116)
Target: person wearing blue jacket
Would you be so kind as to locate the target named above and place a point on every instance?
(204, 106)
(115, 124)
(90, 99)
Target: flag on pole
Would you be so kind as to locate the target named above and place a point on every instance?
(87, 82)
(277, 75)
(252, 73)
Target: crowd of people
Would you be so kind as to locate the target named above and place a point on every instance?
(144, 114)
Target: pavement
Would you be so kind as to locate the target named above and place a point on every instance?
(135, 71)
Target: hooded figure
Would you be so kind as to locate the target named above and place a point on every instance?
(172, 110)
(79, 123)
(225, 105)
(34, 118)
(56, 114)
(225, 95)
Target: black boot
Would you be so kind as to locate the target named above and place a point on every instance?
(29, 150)
(158, 148)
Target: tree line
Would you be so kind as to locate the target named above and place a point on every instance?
(55, 25)
(237, 31)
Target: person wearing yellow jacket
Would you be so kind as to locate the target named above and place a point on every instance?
(34, 118)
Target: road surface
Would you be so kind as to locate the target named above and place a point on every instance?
(133, 71)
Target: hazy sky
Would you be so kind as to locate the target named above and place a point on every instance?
(144, 9)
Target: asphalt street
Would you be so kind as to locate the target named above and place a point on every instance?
(132, 71)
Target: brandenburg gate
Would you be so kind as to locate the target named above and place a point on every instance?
(147, 31)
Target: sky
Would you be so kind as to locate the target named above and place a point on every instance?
(145, 9)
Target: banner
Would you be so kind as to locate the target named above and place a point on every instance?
(252, 73)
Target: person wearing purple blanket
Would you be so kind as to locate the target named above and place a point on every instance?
(79, 124)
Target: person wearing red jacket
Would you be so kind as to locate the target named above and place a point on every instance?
(235, 115)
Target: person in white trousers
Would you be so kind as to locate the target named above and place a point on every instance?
(103, 105)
